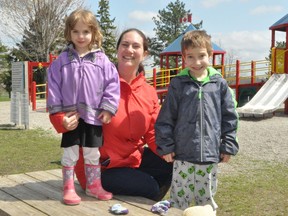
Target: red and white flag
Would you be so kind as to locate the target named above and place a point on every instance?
(186, 18)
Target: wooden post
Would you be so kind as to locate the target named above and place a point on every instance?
(237, 79)
(154, 77)
(33, 95)
(253, 72)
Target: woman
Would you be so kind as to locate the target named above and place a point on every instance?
(130, 165)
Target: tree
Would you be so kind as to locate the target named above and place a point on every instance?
(279, 44)
(5, 69)
(168, 28)
(108, 29)
(40, 23)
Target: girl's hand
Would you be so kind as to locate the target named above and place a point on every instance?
(169, 157)
(105, 117)
(71, 120)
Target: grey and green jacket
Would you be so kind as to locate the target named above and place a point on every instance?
(198, 120)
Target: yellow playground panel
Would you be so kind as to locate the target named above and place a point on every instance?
(278, 60)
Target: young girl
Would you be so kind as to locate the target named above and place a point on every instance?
(83, 84)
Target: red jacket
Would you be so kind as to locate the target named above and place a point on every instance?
(131, 128)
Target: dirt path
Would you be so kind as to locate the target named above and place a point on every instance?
(37, 119)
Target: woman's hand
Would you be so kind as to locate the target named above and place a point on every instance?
(105, 117)
(71, 120)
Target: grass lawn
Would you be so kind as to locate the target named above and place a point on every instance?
(259, 189)
(4, 98)
(28, 150)
(258, 192)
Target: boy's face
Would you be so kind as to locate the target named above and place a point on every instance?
(197, 60)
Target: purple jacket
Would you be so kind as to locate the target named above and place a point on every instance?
(89, 85)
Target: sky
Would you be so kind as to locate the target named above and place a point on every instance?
(240, 27)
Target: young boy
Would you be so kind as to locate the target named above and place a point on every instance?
(196, 127)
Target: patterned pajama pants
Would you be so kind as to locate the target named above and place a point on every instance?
(193, 182)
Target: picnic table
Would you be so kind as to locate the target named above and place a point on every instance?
(40, 193)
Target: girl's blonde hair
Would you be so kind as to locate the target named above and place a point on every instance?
(196, 39)
(89, 19)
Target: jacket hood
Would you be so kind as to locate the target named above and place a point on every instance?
(72, 53)
(212, 72)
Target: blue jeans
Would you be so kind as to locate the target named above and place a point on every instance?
(151, 180)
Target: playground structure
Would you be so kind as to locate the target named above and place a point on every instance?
(275, 91)
(173, 53)
(271, 95)
(32, 86)
(246, 78)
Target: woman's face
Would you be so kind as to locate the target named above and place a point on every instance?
(131, 51)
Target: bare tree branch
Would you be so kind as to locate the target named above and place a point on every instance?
(45, 16)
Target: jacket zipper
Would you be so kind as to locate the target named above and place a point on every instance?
(201, 120)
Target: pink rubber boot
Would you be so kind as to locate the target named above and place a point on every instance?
(69, 195)
(93, 183)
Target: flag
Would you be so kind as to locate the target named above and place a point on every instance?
(186, 18)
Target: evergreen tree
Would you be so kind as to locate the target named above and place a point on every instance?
(108, 29)
(168, 28)
(279, 44)
(5, 69)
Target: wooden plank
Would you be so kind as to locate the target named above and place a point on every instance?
(51, 174)
(48, 178)
(85, 208)
(40, 201)
(13, 206)
(56, 172)
(146, 204)
(45, 195)
(131, 200)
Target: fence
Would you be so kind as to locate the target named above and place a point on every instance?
(35, 93)
(238, 75)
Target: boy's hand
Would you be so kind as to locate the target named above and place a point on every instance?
(169, 157)
(225, 158)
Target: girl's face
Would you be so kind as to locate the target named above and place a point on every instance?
(131, 51)
(81, 37)
(197, 60)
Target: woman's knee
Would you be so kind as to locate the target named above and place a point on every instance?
(128, 181)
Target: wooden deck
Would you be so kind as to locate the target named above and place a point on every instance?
(40, 193)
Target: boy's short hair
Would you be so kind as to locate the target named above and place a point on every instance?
(196, 39)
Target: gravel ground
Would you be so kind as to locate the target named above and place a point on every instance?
(259, 139)
(37, 119)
